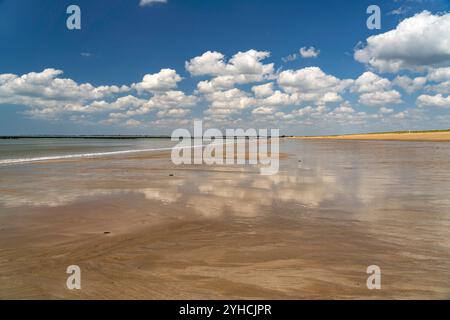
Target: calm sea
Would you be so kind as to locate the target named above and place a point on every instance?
(36, 149)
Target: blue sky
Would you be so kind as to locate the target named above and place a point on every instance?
(406, 83)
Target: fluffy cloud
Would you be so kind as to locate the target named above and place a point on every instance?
(263, 90)
(263, 110)
(122, 103)
(164, 80)
(174, 112)
(439, 74)
(400, 115)
(344, 108)
(380, 98)
(242, 63)
(410, 85)
(228, 102)
(329, 97)
(278, 98)
(289, 58)
(386, 110)
(133, 123)
(243, 67)
(370, 82)
(440, 79)
(304, 52)
(164, 101)
(303, 111)
(49, 97)
(416, 43)
(443, 87)
(310, 52)
(44, 89)
(209, 63)
(310, 80)
(438, 101)
(232, 92)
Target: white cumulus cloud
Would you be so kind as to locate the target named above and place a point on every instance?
(410, 85)
(310, 52)
(46, 90)
(438, 101)
(370, 82)
(164, 80)
(416, 43)
(382, 98)
(310, 79)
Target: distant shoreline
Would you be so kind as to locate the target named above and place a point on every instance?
(83, 137)
(429, 135)
(432, 135)
(110, 137)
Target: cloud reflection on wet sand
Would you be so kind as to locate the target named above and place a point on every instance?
(227, 231)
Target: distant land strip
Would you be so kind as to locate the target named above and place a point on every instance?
(413, 135)
(108, 137)
(83, 137)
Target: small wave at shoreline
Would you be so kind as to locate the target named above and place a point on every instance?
(96, 154)
(87, 155)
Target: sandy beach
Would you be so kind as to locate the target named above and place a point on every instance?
(404, 136)
(140, 227)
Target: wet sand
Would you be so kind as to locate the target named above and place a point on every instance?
(413, 136)
(140, 227)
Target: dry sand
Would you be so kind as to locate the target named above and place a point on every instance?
(422, 136)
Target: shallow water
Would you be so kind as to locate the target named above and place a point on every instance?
(29, 148)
